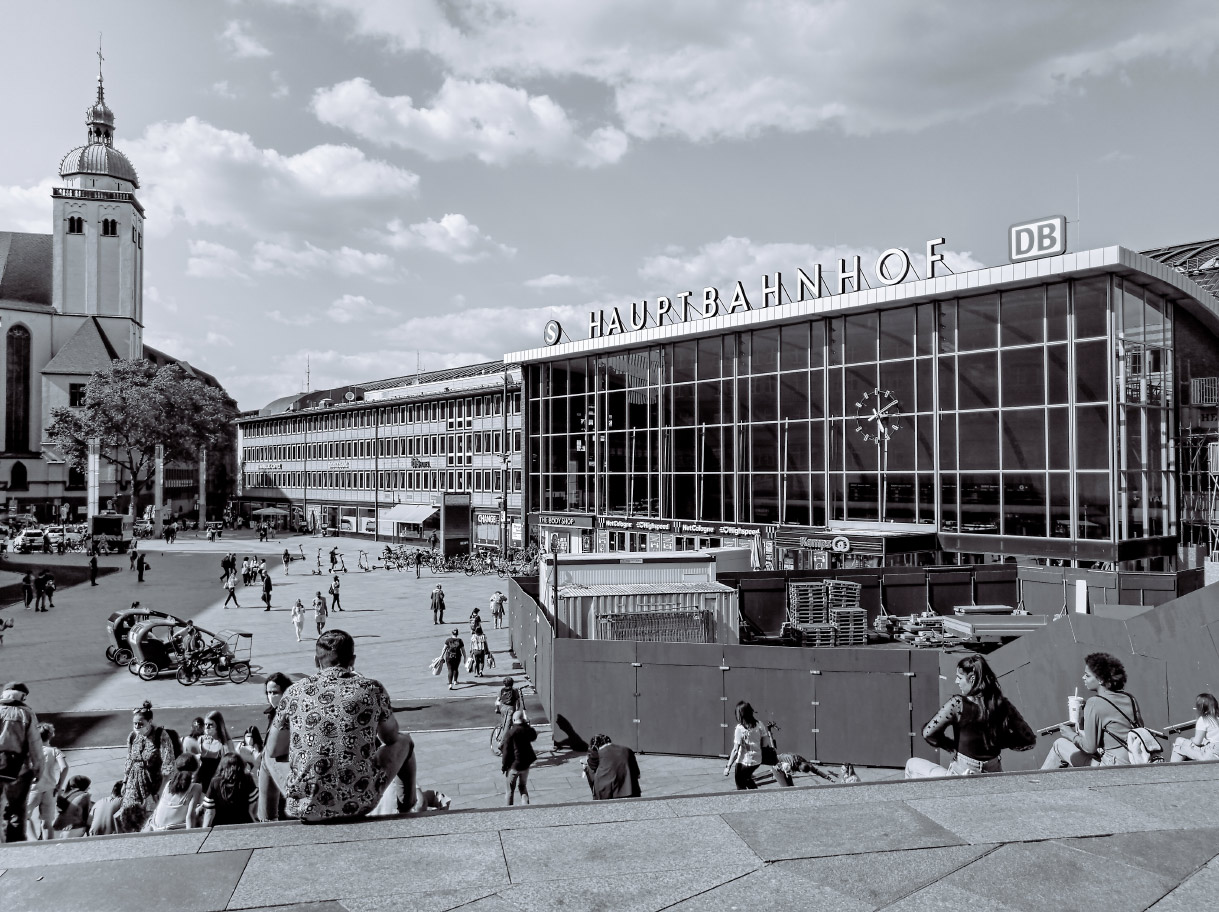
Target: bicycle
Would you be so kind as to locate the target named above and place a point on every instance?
(213, 661)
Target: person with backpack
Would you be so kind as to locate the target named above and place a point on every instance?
(21, 755)
(454, 654)
(150, 760)
(319, 612)
(335, 605)
(1100, 738)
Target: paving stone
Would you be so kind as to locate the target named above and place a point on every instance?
(430, 901)
(941, 897)
(1038, 815)
(773, 890)
(838, 830)
(623, 893)
(99, 848)
(1037, 876)
(1198, 892)
(1173, 853)
(640, 847)
(327, 906)
(316, 872)
(199, 884)
(1181, 804)
(881, 879)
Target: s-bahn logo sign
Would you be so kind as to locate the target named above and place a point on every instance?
(891, 268)
(1039, 238)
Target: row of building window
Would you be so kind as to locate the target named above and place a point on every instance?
(451, 411)
(481, 481)
(486, 442)
(110, 228)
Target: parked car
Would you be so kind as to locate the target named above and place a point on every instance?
(28, 540)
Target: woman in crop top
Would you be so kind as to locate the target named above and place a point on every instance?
(984, 723)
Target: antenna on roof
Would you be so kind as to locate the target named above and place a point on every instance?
(307, 374)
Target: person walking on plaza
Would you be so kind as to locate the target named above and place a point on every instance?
(141, 564)
(319, 612)
(418, 562)
(1099, 739)
(478, 649)
(245, 571)
(150, 760)
(27, 590)
(518, 755)
(230, 584)
(262, 566)
(92, 569)
(287, 558)
(454, 655)
(983, 721)
(434, 540)
(40, 591)
(343, 742)
(298, 618)
(22, 757)
(476, 619)
(334, 595)
(131, 553)
(497, 608)
(747, 741)
(266, 592)
(438, 605)
(40, 804)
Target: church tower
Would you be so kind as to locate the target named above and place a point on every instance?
(98, 241)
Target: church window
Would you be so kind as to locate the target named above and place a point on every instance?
(76, 395)
(76, 480)
(110, 228)
(17, 391)
(76, 224)
(18, 480)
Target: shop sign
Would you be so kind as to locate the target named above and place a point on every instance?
(892, 267)
(639, 525)
(269, 467)
(487, 518)
(572, 520)
(417, 463)
(739, 531)
(338, 465)
(1039, 238)
(697, 529)
(839, 544)
(517, 532)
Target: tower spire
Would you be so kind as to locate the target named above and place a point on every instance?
(101, 91)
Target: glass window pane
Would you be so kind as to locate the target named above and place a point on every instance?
(816, 394)
(834, 405)
(863, 497)
(764, 351)
(1021, 311)
(577, 370)
(1024, 439)
(764, 399)
(901, 447)
(899, 497)
(860, 379)
(924, 339)
(924, 400)
(558, 378)
(924, 426)
(765, 499)
(948, 383)
(1092, 437)
(793, 347)
(709, 358)
(1091, 306)
(897, 333)
(1132, 311)
(816, 446)
(861, 332)
(817, 348)
(977, 322)
(1023, 377)
(683, 362)
(834, 339)
(1058, 389)
(978, 381)
(683, 405)
(948, 442)
(948, 326)
(979, 440)
(1056, 298)
(861, 455)
(793, 396)
(795, 495)
(948, 503)
(1024, 505)
(1060, 505)
(765, 447)
(794, 441)
(708, 394)
(1093, 488)
(684, 444)
(1092, 371)
(898, 378)
(1059, 435)
(980, 504)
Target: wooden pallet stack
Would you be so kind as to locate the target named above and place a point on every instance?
(850, 621)
(806, 603)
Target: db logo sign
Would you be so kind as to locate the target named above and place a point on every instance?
(553, 332)
(1042, 238)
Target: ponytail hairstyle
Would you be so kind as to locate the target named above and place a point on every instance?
(985, 685)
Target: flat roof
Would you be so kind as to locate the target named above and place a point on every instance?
(1161, 278)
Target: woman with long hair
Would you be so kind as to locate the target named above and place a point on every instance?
(232, 796)
(1204, 745)
(178, 806)
(150, 760)
(250, 749)
(747, 741)
(213, 746)
(984, 723)
(271, 804)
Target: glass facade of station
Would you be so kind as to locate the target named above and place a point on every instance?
(1038, 416)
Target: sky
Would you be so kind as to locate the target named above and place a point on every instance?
(364, 188)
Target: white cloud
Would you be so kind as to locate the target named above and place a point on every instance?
(280, 259)
(207, 260)
(488, 332)
(240, 43)
(553, 280)
(453, 236)
(356, 309)
(222, 89)
(215, 338)
(27, 208)
(152, 295)
(734, 68)
(493, 122)
(280, 88)
(302, 318)
(203, 175)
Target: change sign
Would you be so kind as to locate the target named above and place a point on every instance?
(1041, 238)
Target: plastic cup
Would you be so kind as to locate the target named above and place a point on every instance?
(1075, 708)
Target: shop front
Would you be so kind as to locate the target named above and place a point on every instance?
(798, 548)
(568, 533)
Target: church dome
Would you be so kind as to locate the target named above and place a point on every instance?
(99, 156)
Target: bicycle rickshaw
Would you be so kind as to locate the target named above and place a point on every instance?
(119, 624)
(228, 656)
(157, 646)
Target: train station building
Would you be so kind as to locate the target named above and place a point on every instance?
(851, 415)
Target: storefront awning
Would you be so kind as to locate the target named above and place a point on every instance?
(415, 514)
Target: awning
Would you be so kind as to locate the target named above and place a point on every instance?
(415, 514)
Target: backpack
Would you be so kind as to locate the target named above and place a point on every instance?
(175, 741)
(1141, 744)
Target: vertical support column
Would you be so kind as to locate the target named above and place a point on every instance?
(93, 476)
(158, 490)
(202, 487)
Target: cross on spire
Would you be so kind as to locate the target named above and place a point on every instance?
(100, 58)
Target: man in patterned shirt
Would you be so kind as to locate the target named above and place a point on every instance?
(341, 737)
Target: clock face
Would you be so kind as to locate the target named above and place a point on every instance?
(877, 415)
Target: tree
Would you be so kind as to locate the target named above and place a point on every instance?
(131, 406)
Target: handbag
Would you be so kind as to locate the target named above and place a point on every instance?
(436, 663)
(469, 663)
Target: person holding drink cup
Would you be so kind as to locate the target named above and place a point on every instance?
(984, 723)
(1097, 736)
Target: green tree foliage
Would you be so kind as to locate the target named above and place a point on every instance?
(132, 406)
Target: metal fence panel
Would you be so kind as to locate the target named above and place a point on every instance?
(784, 695)
(594, 690)
(863, 717)
(947, 589)
(679, 708)
(905, 593)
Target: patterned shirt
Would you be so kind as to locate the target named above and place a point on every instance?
(333, 718)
